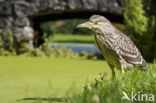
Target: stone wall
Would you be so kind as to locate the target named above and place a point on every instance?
(15, 14)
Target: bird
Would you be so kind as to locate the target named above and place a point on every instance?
(116, 47)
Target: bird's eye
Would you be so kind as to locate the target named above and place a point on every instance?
(96, 21)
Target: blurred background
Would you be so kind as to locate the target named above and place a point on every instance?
(40, 45)
(28, 27)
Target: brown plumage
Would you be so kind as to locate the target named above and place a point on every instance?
(118, 49)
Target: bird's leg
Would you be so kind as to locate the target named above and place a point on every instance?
(122, 70)
(113, 72)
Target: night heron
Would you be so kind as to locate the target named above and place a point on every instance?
(118, 49)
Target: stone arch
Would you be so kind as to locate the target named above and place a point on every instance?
(23, 16)
(37, 20)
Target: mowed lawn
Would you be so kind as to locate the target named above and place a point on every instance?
(28, 77)
(73, 38)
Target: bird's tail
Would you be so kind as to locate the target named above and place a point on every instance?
(145, 65)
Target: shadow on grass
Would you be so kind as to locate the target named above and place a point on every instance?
(45, 99)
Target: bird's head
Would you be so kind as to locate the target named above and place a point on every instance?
(94, 21)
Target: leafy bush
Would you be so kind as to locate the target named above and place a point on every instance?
(4, 52)
(7, 40)
(141, 28)
(20, 48)
(87, 55)
(135, 18)
(105, 90)
(64, 27)
(47, 28)
(9, 44)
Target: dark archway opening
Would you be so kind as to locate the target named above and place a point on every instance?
(62, 15)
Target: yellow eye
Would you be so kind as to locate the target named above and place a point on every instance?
(96, 21)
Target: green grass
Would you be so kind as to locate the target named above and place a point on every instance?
(44, 77)
(105, 90)
(73, 38)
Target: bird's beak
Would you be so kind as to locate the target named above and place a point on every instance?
(88, 25)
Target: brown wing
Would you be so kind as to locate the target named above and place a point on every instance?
(127, 50)
(121, 45)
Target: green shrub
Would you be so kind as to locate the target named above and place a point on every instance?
(10, 44)
(4, 52)
(111, 91)
(64, 27)
(47, 28)
(22, 49)
(134, 17)
(87, 55)
(141, 28)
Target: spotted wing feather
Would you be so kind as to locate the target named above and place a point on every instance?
(127, 50)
